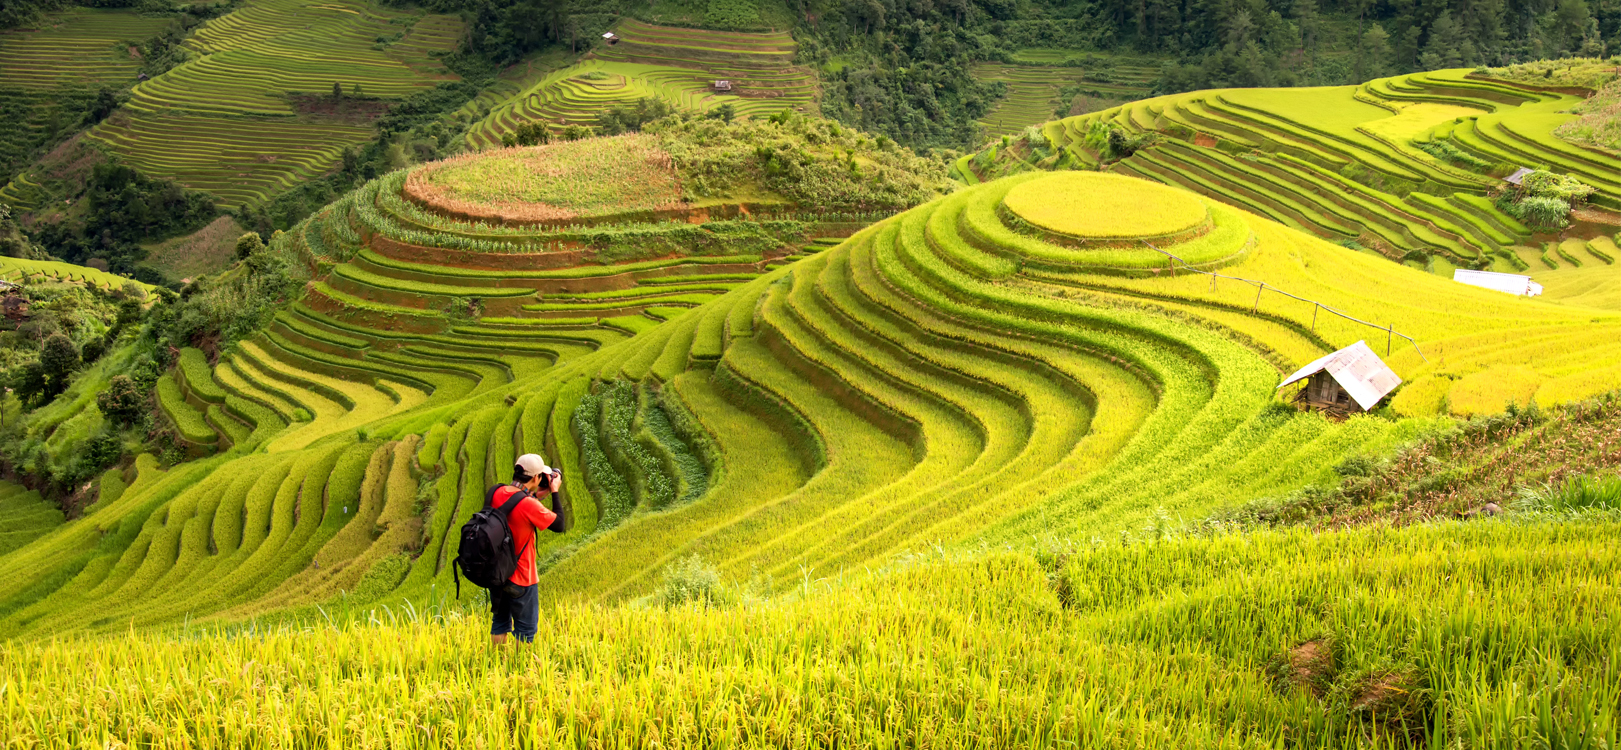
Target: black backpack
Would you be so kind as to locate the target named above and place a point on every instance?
(485, 557)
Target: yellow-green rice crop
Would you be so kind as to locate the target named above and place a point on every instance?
(1099, 205)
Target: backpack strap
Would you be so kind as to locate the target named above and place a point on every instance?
(511, 503)
(508, 505)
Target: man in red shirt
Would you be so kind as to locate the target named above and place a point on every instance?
(516, 609)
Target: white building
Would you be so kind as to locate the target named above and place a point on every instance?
(1512, 283)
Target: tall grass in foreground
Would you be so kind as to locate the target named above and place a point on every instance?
(1487, 634)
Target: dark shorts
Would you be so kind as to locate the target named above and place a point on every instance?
(519, 615)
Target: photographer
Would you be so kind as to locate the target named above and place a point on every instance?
(514, 607)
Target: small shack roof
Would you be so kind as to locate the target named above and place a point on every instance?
(1518, 176)
(609, 35)
(1512, 283)
(1358, 370)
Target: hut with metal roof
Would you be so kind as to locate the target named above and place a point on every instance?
(1518, 178)
(1349, 381)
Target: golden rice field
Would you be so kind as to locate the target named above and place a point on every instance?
(929, 479)
(1094, 205)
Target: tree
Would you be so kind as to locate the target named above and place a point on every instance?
(1592, 43)
(1446, 46)
(122, 401)
(247, 245)
(337, 91)
(531, 134)
(59, 357)
(1306, 17)
(725, 112)
(1372, 53)
(106, 102)
(31, 383)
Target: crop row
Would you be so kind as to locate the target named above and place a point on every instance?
(224, 122)
(677, 66)
(75, 47)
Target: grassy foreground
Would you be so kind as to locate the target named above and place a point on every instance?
(1462, 634)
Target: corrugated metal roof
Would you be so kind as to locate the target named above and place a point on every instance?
(1512, 283)
(1518, 176)
(1358, 370)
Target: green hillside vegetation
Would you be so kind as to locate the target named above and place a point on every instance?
(1406, 167)
(1598, 121)
(677, 66)
(51, 77)
(859, 455)
(253, 112)
(402, 337)
(1043, 84)
(807, 428)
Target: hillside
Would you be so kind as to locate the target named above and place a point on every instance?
(1405, 166)
(425, 340)
(675, 65)
(805, 415)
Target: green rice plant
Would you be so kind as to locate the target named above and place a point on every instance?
(199, 376)
(186, 418)
(1575, 494)
(614, 496)
(658, 433)
(1570, 250)
(618, 426)
(1604, 249)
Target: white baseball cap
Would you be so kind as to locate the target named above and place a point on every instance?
(533, 465)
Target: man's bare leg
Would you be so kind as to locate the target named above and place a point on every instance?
(498, 640)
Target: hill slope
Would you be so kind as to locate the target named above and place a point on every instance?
(1402, 165)
(800, 409)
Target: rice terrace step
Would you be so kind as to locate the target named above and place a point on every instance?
(923, 375)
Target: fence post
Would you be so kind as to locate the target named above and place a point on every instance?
(1259, 287)
(1314, 308)
(1387, 339)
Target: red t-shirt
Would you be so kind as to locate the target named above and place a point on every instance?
(524, 521)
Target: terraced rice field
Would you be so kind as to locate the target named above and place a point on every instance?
(225, 122)
(945, 376)
(884, 424)
(1033, 89)
(1345, 163)
(75, 47)
(677, 66)
(48, 76)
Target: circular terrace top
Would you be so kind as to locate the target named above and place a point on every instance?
(564, 181)
(1104, 206)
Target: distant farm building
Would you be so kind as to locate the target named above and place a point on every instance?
(1518, 177)
(611, 38)
(723, 85)
(14, 307)
(1350, 380)
(1503, 282)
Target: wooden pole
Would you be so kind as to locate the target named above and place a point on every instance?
(1261, 287)
(1387, 340)
(1314, 308)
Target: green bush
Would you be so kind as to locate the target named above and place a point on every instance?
(1578, 493)
(733, 15)
(690, 580)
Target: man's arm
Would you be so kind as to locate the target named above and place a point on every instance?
(563, 515)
